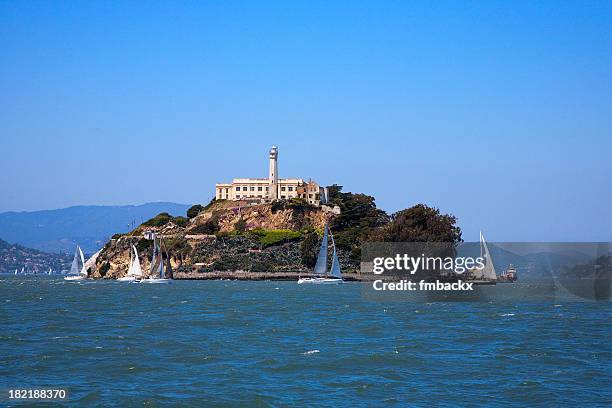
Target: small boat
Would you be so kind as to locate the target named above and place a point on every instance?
(509, 275)
(134, 271)
(77, 269)
(15, 271)
(157, 273)
(322, 275)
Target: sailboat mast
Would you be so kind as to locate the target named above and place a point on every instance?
(335, 268)
(154, 257)
(161, 260)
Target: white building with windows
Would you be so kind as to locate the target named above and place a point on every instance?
(271, 188)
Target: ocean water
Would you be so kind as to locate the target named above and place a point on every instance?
(228, 343)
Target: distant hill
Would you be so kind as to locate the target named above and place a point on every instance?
(13, 256)
(90, 226)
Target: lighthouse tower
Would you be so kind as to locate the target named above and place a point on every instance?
(273, 175)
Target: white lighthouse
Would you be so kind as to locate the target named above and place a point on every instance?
(273, 174)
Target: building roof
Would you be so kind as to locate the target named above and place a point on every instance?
(250, 180)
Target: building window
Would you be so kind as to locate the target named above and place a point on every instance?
(290, 188)
(267, 188)
(282, 188)
(283, 197)
(259, 188)
(237, 188)
(252, 188)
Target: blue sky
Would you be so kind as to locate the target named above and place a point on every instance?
(497, 112)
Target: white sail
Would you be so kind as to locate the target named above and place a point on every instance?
(91, 262)
(74, 267)
(335, 268)
(135, 269)
(321, 265)
(488, 272)
(83, 270)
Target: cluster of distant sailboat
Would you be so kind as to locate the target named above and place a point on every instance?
(160, 271)
(35, 272)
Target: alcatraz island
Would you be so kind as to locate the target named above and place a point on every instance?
(270, 228)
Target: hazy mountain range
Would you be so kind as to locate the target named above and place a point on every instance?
(89, 226)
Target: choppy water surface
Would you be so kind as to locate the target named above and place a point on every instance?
(222, 343)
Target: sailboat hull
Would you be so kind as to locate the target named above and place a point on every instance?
(126, 279)
(320, 281)
(74, 278)
(483, 282)
(154, 280)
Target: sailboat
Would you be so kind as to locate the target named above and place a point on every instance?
(322, 275)
(157, 272)
(485, 275)
(15, 271)
(168, 271)
(77, 269)
(134, 271)
(49, 273)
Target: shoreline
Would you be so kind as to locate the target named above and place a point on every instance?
(279, 276)
(257, 276)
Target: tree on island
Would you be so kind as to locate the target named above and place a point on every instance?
(309, 249)
(193, 211)
(358, 216)
(421, 224)
(360, 221)
(240, 226)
